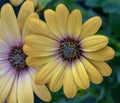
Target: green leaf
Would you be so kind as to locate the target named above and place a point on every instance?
(93, 3)
(111, 7)
(116, 92)
(114, 22)
(44, 2)
(106, 99)
(82, 98)
(41, 4)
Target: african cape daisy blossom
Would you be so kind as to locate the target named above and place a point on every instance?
(72, 54)
(16, 77)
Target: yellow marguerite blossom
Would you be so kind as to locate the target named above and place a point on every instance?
(16, 77)
(73, 56)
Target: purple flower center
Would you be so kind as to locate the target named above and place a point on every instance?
(17, 58)
(70, 49)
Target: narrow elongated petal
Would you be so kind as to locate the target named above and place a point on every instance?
(3, 80)
(4, 37)
(45, 73)
(25, 11)
(26, 29)
(36, 52)
(102, 67)
(4, 68)
(41, 91)
(40, 27)
(39, 61)
(16, 2)
(25, 91)
(90, 27)
(50, 18)
(38, 42)
(9, 26)
(6, 84)
(93, 43)
(80, 75)
(75, 23)
(4, 47)
(104, 54)
(57, 78)
(62, 14)
(69, 86)
(12, 98)
(3, 56)
(94, 74)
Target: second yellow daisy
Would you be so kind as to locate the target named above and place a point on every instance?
(72, 54)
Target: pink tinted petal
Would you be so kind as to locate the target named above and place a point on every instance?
(6, 82)
(4, 68)
(3, 56)
(4, 47)
(12, 98)
(25, 90)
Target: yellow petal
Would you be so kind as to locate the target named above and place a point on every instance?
(39, 61)
(80, 75)
(12, 98)
(51, 22)
(45, 73)
(36, 52)
(93, 43)
(38, 42)
(104, 54)
(41, 91)
(62, 14)
(26, 30)
(38, 26)
(16, 2)
(90, 27)
(25, 91)
(9, 26)
(57, 78)
(93, 73)
(6, 83)
(102, 67)
(2, 35)
(69, 86)
(25, 11)
(75, 23)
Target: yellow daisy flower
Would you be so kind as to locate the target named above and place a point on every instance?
(72, 54)
(16, 77)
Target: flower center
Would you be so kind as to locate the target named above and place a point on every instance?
(17, 58)
(70, 49)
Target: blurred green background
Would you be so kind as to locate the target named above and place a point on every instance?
(109, 10)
